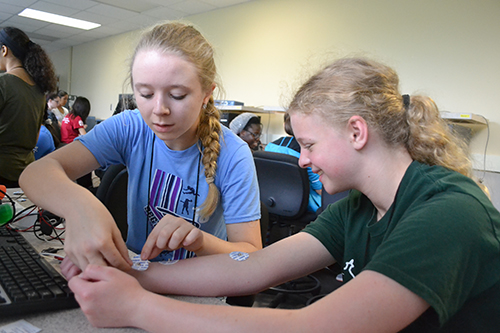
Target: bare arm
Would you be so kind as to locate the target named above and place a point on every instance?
(369, 303)
(292, 257)
(174, 232)
(92, 235)
(82, 131)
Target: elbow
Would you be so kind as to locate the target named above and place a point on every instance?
(25, 175)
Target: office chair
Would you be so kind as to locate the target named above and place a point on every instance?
(284, 190)
(112, 192)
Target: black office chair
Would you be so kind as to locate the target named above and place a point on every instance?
(284, 190)
(113, 194)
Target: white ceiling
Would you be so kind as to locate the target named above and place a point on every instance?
(115, 17)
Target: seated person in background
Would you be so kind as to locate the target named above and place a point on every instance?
(45, 143)
(73, 125)
(125, 103)
(60, 111)
(418, 238)
(52, 103)
(248, 127)
(288, 145)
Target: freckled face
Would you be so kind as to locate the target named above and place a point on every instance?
(169, 96)
(326, 150)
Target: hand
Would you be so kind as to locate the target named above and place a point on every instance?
(68, 269)
(107, 296)
(172, 233)
(92, 237)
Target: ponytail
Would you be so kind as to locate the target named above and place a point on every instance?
(34, 59)
(39, 66)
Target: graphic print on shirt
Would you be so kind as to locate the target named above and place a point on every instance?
(349, 265)
(167, 196)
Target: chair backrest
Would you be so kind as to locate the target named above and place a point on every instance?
(113, 194)
(284, 186)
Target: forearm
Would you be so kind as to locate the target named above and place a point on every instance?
(158, 313)
(47, 185)
(214, 245)
(183, 278)
(48, 182)
(292, 257)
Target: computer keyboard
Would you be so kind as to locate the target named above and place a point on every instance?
(28, 283)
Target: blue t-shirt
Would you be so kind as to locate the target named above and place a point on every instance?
(45, 143)
(176, 179)
(288, 145)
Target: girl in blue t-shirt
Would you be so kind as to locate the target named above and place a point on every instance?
(184, 196)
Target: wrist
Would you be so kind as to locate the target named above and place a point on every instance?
(141, 309)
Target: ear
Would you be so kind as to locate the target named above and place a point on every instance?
(357, 128)
(5, 50)
(209, 93)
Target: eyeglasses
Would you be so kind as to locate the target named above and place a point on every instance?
(255, 136)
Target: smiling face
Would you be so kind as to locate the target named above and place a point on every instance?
(169, 96)
(326, 150)
(252, 135)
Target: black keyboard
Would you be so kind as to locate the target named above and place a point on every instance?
(28, 283)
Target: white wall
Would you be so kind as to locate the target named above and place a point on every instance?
(447, 49)
(62, 62)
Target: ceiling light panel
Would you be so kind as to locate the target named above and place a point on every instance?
(58, 19)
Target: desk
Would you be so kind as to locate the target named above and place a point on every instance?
(74, 320)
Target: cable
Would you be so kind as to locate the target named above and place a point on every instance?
(46, 225)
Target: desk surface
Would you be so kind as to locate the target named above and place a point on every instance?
(74, 320)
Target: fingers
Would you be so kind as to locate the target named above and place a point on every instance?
(107, 296)
(96, 273)
(118, 256)
(169, 234)
(69, 269)
(194, 240)
(99, 250)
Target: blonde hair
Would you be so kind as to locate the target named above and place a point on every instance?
(188, 43)
(357, 86)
